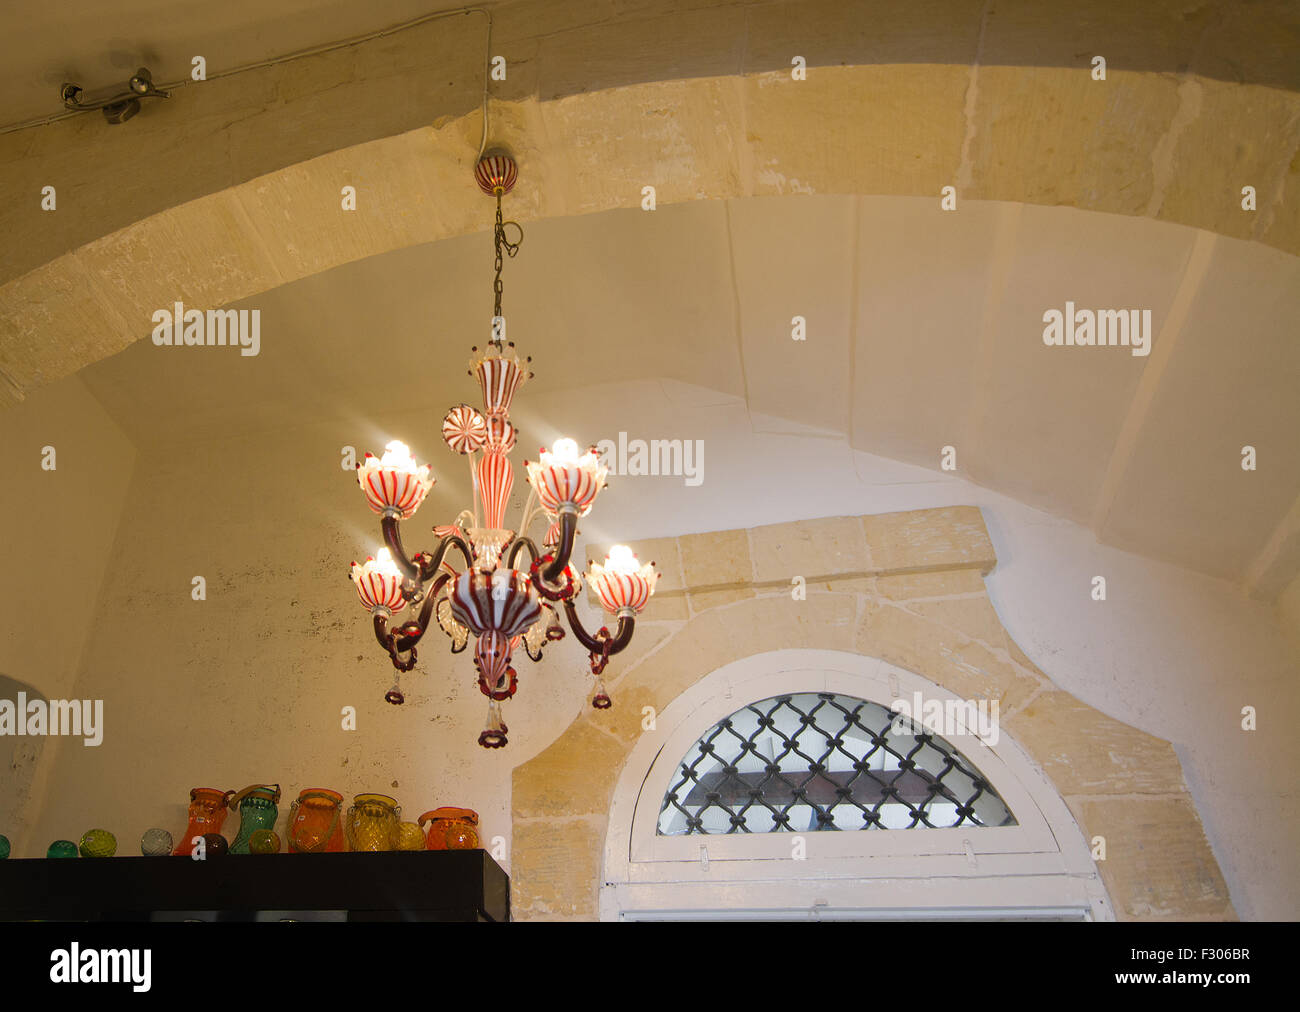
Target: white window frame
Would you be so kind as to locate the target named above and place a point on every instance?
(1039, 868)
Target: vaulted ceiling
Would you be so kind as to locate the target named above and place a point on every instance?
(924, 329)
(924, 326)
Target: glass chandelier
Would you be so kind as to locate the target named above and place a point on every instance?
(488, 598)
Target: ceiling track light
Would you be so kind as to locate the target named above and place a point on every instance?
(119, 102)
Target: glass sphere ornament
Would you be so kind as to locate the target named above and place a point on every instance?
(215, 845)
(410, 836)
(4, 847)
(156, 843)
(98, 843)
(264, 841)
(62, 848)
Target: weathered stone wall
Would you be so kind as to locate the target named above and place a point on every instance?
(225, 131)
(233, 186)
(904, 587)
(19, 763)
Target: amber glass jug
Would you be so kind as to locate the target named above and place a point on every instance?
(208, 810)
(451, 829)
(373, 823)
(316, 822)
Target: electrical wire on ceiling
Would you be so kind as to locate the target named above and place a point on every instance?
(315, 51)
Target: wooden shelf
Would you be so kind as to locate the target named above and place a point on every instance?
(446, 885)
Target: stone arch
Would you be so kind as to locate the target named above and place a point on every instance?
(1148, 145)
(907, 588)
(1039, 866)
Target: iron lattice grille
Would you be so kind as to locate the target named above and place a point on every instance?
(821, 761)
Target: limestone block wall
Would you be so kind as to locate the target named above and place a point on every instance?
(907, 588)
(242, 191)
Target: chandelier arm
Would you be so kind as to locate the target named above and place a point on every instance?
(393, 539)
(530, 517)
(388, 640)
(519, 544)
(526, 516)
(429, 565)
(408, 635)
(381, 630)
(402, 665)
(622, 636)
(568, 528)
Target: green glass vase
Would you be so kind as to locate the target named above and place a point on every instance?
(257, 810)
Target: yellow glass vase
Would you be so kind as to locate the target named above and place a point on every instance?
(373, 822)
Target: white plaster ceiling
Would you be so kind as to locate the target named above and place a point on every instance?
(924, 330)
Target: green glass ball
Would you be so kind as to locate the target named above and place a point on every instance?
(4, 847)
(264, 841)
(156, 843)
(62, 848)
(98, 843)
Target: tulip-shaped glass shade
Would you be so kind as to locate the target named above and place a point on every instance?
(379, 583)
(394, 484)
(623, 585)
(566, 481)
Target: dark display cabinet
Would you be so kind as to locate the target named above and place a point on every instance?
(445, 885)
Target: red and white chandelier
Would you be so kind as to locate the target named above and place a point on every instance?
(500, 605)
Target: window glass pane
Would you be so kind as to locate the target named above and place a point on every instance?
(814, 761)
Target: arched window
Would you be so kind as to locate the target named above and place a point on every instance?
(785, 785)
(817, 761)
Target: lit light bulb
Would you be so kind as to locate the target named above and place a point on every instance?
(398, 454)
(385, 565)
(620, 560)
(564, 452)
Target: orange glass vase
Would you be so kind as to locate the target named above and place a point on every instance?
(451, 829)
(208, 810)
(316, 822)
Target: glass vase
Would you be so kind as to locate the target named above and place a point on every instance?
(451, 829)
(315, 822)
(373, 823)
(208, 810)
(257, 810)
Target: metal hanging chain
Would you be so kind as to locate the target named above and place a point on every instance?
(502, 243)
